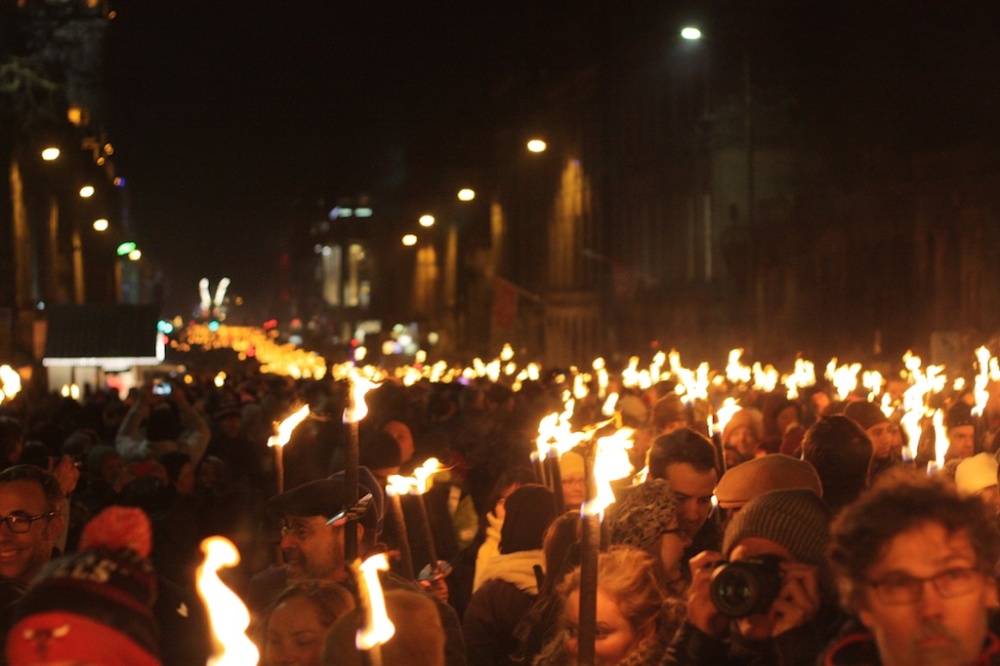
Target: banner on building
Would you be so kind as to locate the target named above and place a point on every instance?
(504, 303)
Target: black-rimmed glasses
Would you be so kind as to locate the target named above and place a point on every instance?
(19, 522)
(898, 590)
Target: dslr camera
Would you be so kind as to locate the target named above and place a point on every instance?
(746, 587)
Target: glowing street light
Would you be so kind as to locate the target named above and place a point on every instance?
(427, 221)
(101, 224)
(537, 146)
(135, 255)
(466, 194)
(50, 153)
(87, 191)
(690, 33)
(409, 240)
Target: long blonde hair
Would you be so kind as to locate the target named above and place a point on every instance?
(630, 577)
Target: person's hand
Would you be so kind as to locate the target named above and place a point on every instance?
(798, 600)
(701, 611)
(66, 474)
(438, 588)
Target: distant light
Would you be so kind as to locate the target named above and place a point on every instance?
(537, 146)
(466, 194)
(109, 149)
(126, 247)
(362, 212)
(410, 240)
(87, 191)
(691, 33)
(135, 255)
(165, 327)
(50, 154)
(346, 212)
(101, 224)
(426, 220)
(327, 250)
(119, 182)
(433, 337)
(213, 326)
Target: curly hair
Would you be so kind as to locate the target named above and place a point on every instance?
(331, 599)
(630, 577)
(901, 501)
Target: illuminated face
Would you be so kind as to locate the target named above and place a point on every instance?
(313, 549)
(882, 439)
(759, 626)
(961, 441)
(934, 629)
(574, 490)
(295, 634)
(615, 637)
(743, 439)
(693, 490)
(23, 555)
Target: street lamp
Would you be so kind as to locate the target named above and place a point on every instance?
(409, 240)
(86, 191)
(101, 224)
(426, 221)
(51, 153)
(690, 33)
(537, 146)
(466, 194)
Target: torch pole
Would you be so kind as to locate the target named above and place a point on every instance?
(402, 536)
(279, 467)
(555, 477)
(351, 476)
(589, 551)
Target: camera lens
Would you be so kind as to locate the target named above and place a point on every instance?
(746, 587)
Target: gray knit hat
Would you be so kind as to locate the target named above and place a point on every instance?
(643, 515)
(796, 519)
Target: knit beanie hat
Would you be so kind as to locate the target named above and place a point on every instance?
(95, 605)
(758, 476)
(976, 473)
(529, 511)
(866, 414)
(795, 519)
(959, 414)
(643, 515)
(749, 417)
(570, 463)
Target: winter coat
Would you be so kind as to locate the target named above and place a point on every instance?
(494, 610)
(858, 648)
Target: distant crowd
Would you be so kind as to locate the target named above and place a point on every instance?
(805, 531)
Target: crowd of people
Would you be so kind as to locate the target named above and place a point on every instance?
(802, 533)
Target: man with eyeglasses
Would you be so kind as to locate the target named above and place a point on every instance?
(30, 500)
(916, 566)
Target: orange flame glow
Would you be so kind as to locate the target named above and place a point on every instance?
(611, 463)
(378, 628)
(228, 616)
(286, 427)
(357, 409)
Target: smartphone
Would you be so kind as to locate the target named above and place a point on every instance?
(161, 388)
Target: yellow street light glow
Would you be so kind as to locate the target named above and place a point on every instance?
(87, 191)
(466, 194)
(537, 146)
(691, 33)
(101, 224)
(427, 220)
(50, 154)
(409, 240)
(135, 255)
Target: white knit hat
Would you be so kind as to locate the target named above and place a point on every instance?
(976, 473)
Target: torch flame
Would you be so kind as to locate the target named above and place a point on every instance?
(10, 383)
(357, 409)
(378, 628)
(286, 427)
(982, 381)
(725, 414)
(940, 438)
(228, 616)
(611, 463)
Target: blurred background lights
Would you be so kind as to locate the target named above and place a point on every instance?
(410, 240)
(537, 146)
(466, 194)
(50, 154)
(426, 220)
(101, 224)
(87, 191)
(691, 33)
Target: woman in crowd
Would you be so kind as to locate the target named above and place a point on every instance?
(293, 631)
(630, 602)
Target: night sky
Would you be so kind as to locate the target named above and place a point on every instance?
(226, 116)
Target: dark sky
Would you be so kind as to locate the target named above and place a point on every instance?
(226, 115)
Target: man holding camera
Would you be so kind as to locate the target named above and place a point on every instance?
(767, 597)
